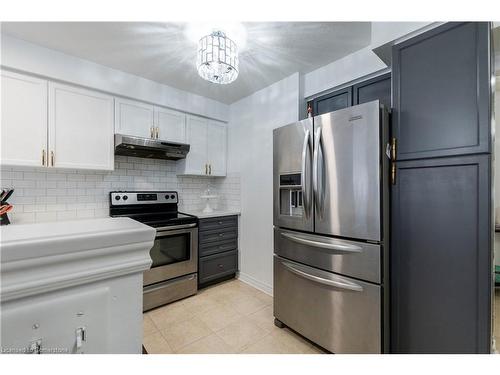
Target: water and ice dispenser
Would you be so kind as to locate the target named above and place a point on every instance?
(291, 199)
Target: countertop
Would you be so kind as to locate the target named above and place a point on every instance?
(202, 215)
(21, 241)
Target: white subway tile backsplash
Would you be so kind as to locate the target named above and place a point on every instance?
(41, 216)
(58, 194)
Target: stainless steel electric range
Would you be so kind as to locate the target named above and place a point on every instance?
(173, 274)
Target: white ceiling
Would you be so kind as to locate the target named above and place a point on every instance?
(163, 52)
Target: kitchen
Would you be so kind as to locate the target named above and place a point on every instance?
(210, 208)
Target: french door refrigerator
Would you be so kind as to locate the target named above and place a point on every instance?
(330, 228)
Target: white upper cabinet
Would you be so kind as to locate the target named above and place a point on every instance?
(217, 148)
(134, 118)
(208, 145)
(49, 124)
(171, 125)
(148, 121)
(81, 128)
(196, 161)
(24, 120)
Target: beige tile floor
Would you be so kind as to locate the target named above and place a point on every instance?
(230, 317)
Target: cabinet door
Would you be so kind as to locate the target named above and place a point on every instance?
(24, 119)
(80, 128)
(378, 88)
(196, 161)
(134, 118)
(171, 125)
(441, 256)
(217, 148)
(441, 84)
(333, 101)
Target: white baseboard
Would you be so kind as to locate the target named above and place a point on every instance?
(268, 289)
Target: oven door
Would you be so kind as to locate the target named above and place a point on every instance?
(174, 254)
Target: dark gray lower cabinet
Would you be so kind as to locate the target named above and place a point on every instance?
(217, 249)
(441, 256)
(214, 267)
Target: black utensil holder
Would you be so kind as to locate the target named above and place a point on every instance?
(4, 219)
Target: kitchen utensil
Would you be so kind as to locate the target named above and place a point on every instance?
(7, 196)
(5, 208)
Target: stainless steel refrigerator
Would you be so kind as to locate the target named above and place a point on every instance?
(330, 228)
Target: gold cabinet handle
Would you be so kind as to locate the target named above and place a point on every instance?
(52, 158)
(206, 168)
(210, 169)
(393, 173)
(43, 157)
(394, 144)
(157, 132)
(151, 132)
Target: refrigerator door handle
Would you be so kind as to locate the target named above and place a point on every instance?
(306, 149)
(316, 165)
(337, 247)
(344, 284)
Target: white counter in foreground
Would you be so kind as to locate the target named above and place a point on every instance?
(74, 286)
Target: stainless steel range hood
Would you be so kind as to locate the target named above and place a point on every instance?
(149, 148)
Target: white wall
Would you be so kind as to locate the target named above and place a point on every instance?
(27, 57)
(252, 120)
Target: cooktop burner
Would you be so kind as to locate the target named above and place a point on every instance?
(153, 208)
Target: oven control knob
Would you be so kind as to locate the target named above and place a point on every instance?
(125, 197)
(117, 197)
(167, 196)
(172, 196)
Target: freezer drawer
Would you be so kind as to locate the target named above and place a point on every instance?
(356, 259)
(340, 314)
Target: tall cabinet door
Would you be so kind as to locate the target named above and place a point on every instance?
(171, 125)
(217, 148)
(441, 92)
(24, 120)
(441, 225)
(134, 118)
(80, 128)
(440, 256)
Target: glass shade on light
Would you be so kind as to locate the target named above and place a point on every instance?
(217, 59)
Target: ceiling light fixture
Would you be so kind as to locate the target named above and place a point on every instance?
(217, 59)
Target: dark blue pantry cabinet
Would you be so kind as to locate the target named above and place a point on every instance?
(441, 205)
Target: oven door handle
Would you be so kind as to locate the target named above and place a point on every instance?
(175, 227)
